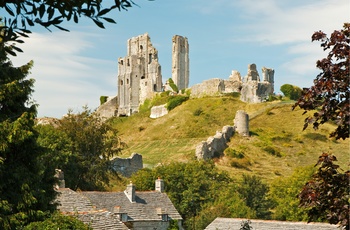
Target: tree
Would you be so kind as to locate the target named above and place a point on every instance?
(26, 188)
(82, 146)
(291, 91)
(284, 192)
(48, 13)
(254, 192)
(58, 221)
(190, 186)
(327, 195)
(330, 94)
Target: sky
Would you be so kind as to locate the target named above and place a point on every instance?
(73, 69)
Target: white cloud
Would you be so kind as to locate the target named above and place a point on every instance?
(64, 78)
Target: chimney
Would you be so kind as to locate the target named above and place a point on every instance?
(130, 192)
(160, 185)
(60, 176)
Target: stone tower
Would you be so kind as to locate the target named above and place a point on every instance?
(241, 122)
(139, 75)
(180, 62)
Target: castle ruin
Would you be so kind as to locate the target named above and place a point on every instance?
(139, 73)
(252, 89)
(180, 62)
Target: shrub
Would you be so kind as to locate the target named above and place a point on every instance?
(271, 150)
(198, 112)
(175, 101)
(103, 99)
(291, 91)
(173, 86)
(234, 153)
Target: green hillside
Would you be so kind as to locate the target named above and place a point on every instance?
(276, 146)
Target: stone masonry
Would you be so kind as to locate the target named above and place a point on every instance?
(139, 75)
(180, 62)
(241, 123)
(215, 145)
(139, 72)
(255, 91)
(128, 166)
(252, 89)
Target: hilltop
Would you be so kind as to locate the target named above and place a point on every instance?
(276, 146)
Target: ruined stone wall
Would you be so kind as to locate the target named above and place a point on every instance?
(212, 87)
(180, 62)
(158, 111)
(256, 91)
(109, 108)
(215, 145)
(128, 166)
(139, 75)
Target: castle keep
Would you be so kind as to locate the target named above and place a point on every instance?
(139, 73)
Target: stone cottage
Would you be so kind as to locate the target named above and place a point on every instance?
(130, 209)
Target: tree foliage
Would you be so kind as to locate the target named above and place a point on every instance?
(26, 188)
(58, 221)
(330, 94)
(291, 91)
(23, 14)
(189, 185)
(327, 195)
(255, 194)
(284, 192)
(82, 146)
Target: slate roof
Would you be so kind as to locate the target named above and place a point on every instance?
(71, 201)
(147, 205)
(235, 223)
(98, 208)
(101, 220)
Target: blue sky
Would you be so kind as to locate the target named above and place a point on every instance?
(74, 69)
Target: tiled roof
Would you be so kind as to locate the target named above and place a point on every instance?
(101, 220)
(71, 201)
(235, 223)
(147, 205)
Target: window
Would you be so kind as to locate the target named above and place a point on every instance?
(143, 77)
(121, 82)
(121, 62)
(127, 81)
(141, 47)
(149, 58)
(128, 62)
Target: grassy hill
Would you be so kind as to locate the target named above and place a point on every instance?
(276, 146)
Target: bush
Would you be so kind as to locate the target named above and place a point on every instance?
(291, 91)
(175, 101)
(234, 153)
(103, 99)
(173, 86)
(198, 112)
(271, 150)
